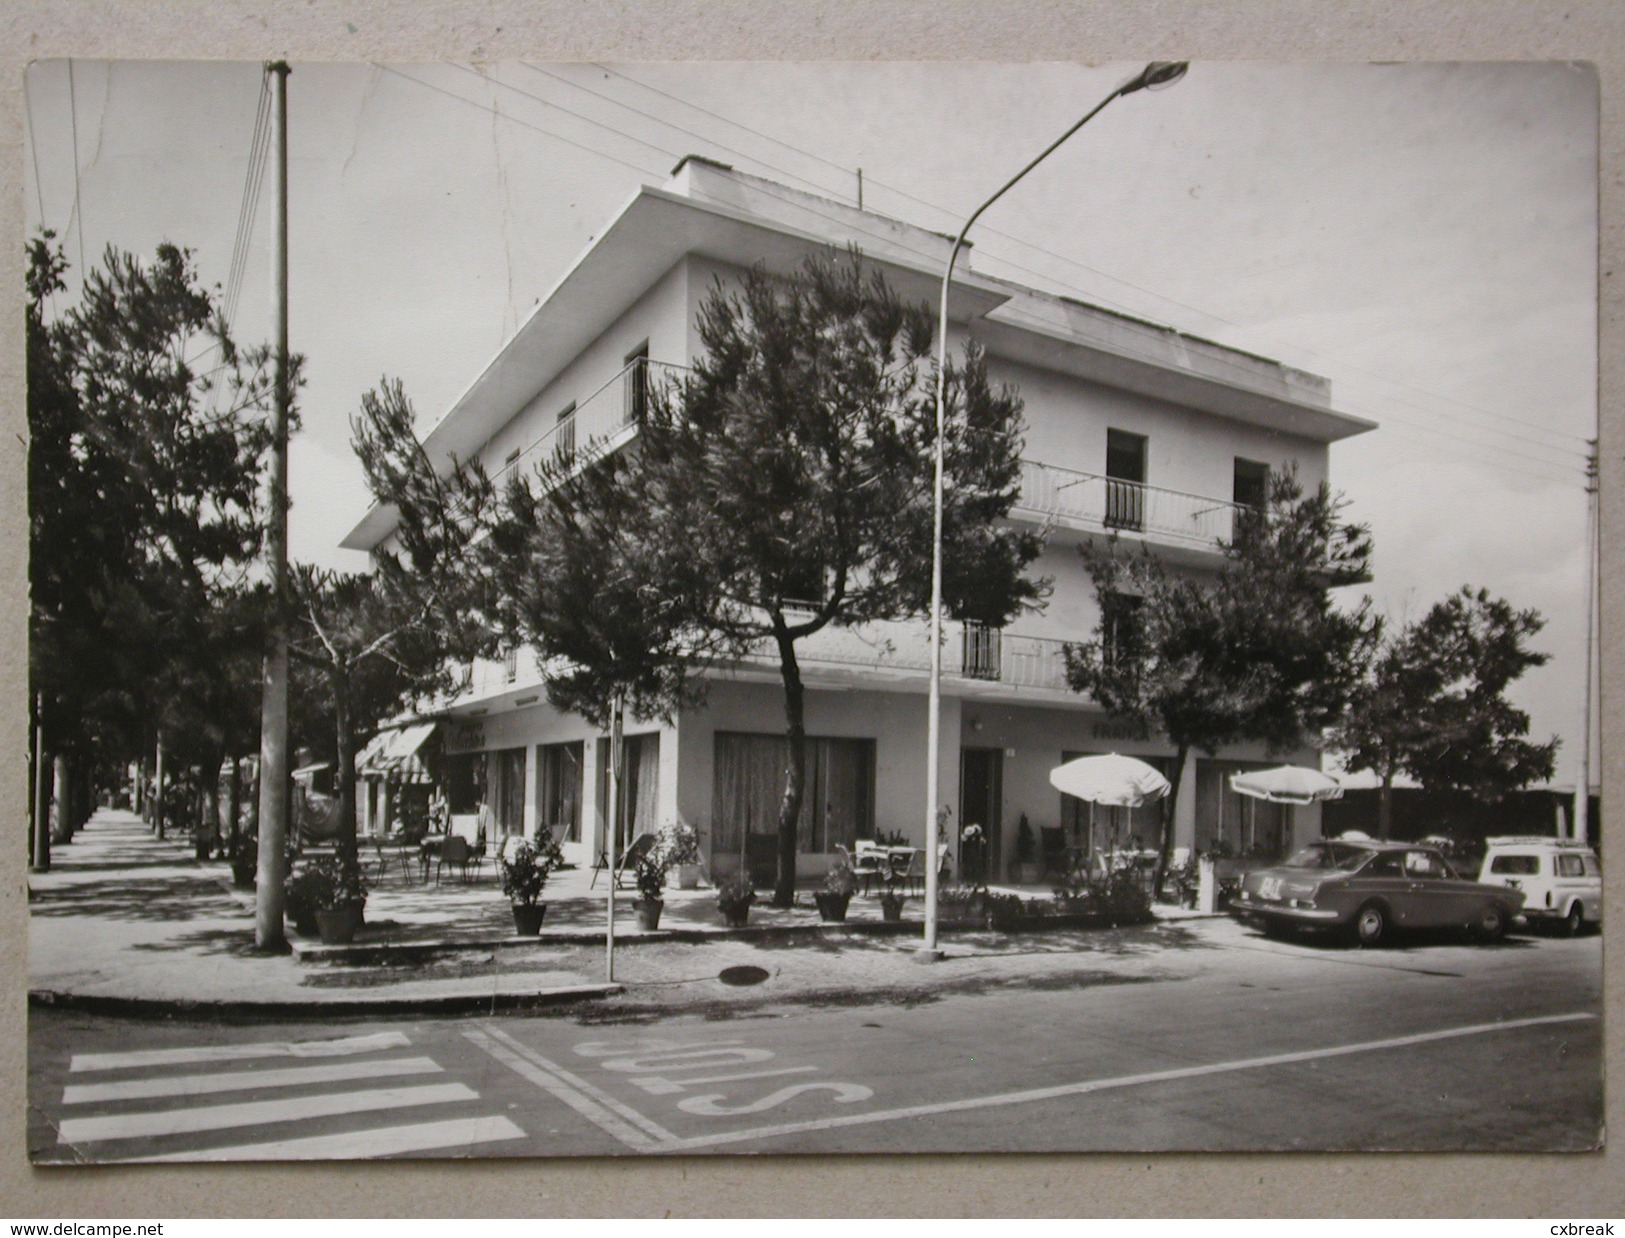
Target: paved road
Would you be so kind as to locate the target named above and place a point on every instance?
(1229, 1042)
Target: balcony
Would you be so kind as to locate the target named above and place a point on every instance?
(901, 652)
(598, 424)
(1090, 501)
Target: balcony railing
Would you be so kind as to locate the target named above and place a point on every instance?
(903, 650)
(1089, 500)
(599, 423)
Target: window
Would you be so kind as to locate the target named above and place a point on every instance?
(1525, 865)
(507, 790)
(1121, 629)
(1385, 866)
(511, 459)
(1570, 866)
(558, 787)
(837, 804)
(640, 784)
(1426, 864)
(564, 436)
(1125, 484)
(636, 378)
(1252, 484)
(983, 656)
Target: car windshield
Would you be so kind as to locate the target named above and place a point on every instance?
(1337, 856)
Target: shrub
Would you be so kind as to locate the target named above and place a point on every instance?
(678, 844)
(331, 881)
(652, 877)
(526, 867)
(841, 879)
(735, 891)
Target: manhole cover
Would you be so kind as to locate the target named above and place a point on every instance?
(742, 975)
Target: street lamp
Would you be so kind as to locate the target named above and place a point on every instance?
(1157, 74)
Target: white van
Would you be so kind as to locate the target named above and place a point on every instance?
(1561, 880)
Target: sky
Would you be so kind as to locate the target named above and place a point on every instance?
(1424, 235)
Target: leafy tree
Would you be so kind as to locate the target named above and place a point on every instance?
(1434, 704)
(1257, 651)
(780, 487)
(144, 478)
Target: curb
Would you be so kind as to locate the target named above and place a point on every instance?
(451, 1003)
(384, 952)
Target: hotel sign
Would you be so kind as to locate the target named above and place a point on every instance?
(465, 735)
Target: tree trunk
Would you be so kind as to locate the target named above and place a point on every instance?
(211, 814)
(62, 796)
(795, 773)
(1165, 846)
(42, 798)
(234, 804)
(158, 796)
(344, 772)
(1385, 805)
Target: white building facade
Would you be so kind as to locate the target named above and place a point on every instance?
(1133, 430)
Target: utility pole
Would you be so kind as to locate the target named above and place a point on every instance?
(1582, 785)
(273, 796)
(42, 797)
(616, 726)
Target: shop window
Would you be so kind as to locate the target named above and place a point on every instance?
(558, 791)
(837, 805)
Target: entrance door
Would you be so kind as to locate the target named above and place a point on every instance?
(981, 799)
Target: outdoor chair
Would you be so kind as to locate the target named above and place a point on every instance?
(868, 861)
(626, 872)
(454, 851)
(476, 857)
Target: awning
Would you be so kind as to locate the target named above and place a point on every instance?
(394, 755)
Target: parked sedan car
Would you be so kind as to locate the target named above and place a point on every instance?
(1367, 889)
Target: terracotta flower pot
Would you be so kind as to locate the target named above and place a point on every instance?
(649, 910)
(891, 907)
(338, 925)
(735, 914)
(831, 906)
(527, 918)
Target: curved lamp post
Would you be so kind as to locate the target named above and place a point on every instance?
(1157, 74)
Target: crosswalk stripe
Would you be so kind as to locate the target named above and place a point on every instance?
(228, 1053)
(250, 1113)
(386, 1141)
(243, 1080)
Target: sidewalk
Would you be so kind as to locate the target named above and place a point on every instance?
(125, 922)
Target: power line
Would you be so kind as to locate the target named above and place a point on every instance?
(516, 121)
(1071, 262)
(77, 215)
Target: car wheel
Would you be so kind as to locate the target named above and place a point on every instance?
(1492, 923)
(1370, 923)
(1574, 921)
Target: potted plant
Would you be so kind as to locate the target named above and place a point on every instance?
(1027, 869)
(891, 899)
(734, 897)
(651, 885)
(245, 858)
(680, 848)
(300, 897)
(525, 870)
(840, 884)
(338, 891)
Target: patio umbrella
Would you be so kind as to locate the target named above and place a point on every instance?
(1287, 784)
(1119, 781)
